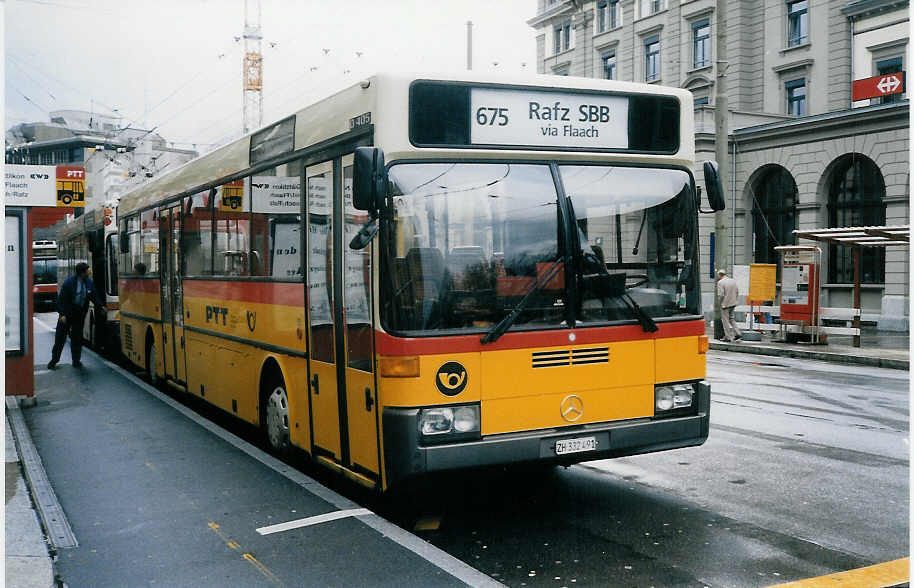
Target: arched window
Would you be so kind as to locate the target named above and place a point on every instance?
(856, 199)
(774, 213)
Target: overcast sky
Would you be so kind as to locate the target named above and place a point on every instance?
(175, 64)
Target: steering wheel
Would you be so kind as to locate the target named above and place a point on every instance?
(640, 279)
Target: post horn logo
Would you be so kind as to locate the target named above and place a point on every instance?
(572, 408)
(451, 378)
(252, 320)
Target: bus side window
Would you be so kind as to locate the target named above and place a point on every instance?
(197, 236)
(275, 222)
(111, 255)
(231, 224)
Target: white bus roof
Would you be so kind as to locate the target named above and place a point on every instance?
(385, 96)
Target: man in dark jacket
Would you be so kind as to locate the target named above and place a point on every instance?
(72, 305)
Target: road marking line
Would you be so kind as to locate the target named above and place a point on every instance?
(890, 573)
(315, 520)
(248, 557)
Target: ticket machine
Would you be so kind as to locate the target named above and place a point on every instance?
(799, 299)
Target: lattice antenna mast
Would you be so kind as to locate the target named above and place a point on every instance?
(252, 74)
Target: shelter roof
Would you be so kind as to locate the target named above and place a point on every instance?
(860, 236)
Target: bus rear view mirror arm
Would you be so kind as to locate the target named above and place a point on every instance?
(365, 235)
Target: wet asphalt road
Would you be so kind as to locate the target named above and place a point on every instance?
(805, 473)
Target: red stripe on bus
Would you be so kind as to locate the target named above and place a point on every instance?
(390, 345)
(139, 285)
(282, 293)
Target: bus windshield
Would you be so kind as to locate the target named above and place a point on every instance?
(639, 226)
(44, 271)
(468, 243)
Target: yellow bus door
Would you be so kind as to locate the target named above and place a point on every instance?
(172, 294)
(322, 353)
(343, 396)
(361, 398)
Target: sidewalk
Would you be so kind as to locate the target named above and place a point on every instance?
(886, 349)
(154, 491)
(28, 562)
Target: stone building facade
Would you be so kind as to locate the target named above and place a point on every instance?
(803, 154)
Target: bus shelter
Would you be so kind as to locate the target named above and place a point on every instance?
(857, 238)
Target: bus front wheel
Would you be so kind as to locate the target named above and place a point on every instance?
(276, 415)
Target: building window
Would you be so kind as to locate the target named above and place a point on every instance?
(797, 23)
(701, 44)
(796, 97)
(608, 15)
(652, 59)
(561, 36)
(649, 7)
(774, 211)
(856, 199)
(890, 66)
(609, 65)
(701, 101)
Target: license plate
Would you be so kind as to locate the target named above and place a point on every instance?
(563, 446)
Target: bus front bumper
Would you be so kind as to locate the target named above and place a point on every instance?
(406, 456)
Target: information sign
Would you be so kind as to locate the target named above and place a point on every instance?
(762, 281)
(30, 185)
(13, 270)
(276, 195)
(550, 119)
(878, 86)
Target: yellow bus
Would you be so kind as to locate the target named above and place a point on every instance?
(92, 238)
(428, 273)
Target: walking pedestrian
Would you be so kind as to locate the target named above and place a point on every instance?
(72, 305)
(728, 292)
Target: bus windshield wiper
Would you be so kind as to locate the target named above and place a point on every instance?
(647, 323)
(505, 323)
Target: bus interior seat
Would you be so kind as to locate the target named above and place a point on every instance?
(426, 272)
(460, 261)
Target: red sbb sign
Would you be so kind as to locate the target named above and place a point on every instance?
(878, 86)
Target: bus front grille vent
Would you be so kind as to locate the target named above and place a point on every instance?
(592, 355)
(551, 358)
(128, 336)
(565, 357)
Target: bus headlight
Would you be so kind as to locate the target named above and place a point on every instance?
(672, 397)
(449, 421)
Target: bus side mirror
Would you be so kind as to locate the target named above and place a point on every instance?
(369, 179)
(713, 186)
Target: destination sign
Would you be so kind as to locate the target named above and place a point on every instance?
(464, 115)
(549, 119)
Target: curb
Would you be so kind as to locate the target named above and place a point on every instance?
(883, 362)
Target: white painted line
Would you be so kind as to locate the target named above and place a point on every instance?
(315, 520)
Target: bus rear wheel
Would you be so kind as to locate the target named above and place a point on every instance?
(151, 376)
(276, 416)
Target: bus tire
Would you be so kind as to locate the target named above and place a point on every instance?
(66, 198)
(275, 413)
(151, 375)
